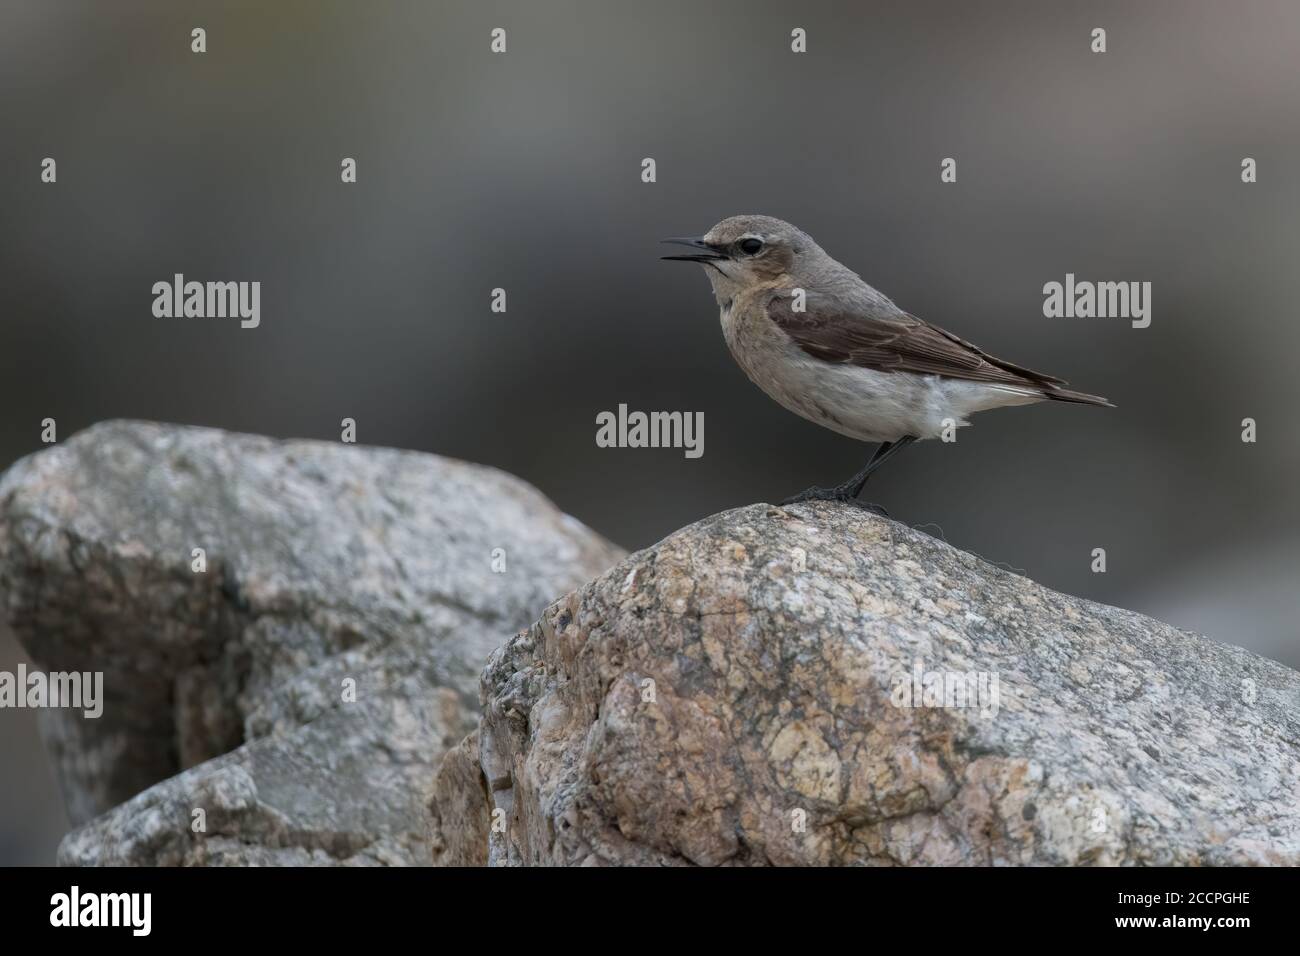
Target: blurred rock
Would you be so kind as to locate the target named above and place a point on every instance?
(329, 568)
(741, 693)
(458, 807)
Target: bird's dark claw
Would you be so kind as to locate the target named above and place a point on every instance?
(819, 494)
(840, 494)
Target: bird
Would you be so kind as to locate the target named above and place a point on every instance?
(827, 346)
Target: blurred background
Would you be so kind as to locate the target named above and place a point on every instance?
(522, 171)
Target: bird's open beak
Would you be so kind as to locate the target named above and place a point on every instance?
(703, 251)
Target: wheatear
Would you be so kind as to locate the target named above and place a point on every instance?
(825, 345)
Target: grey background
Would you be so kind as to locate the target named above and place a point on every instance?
(523, 171)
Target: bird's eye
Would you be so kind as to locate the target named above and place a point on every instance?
(750, 246)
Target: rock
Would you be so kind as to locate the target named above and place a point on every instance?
(459, 808)
(741, 693)
(328, 566)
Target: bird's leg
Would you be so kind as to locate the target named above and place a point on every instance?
(884, 452)
(849, 490)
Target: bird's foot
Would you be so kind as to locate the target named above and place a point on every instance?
(819, 494)
(839, 493)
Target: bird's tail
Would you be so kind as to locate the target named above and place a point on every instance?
(1080, 398)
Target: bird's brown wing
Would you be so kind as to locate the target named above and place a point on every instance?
(899, 343)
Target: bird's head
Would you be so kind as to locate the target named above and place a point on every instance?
(742, 252)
